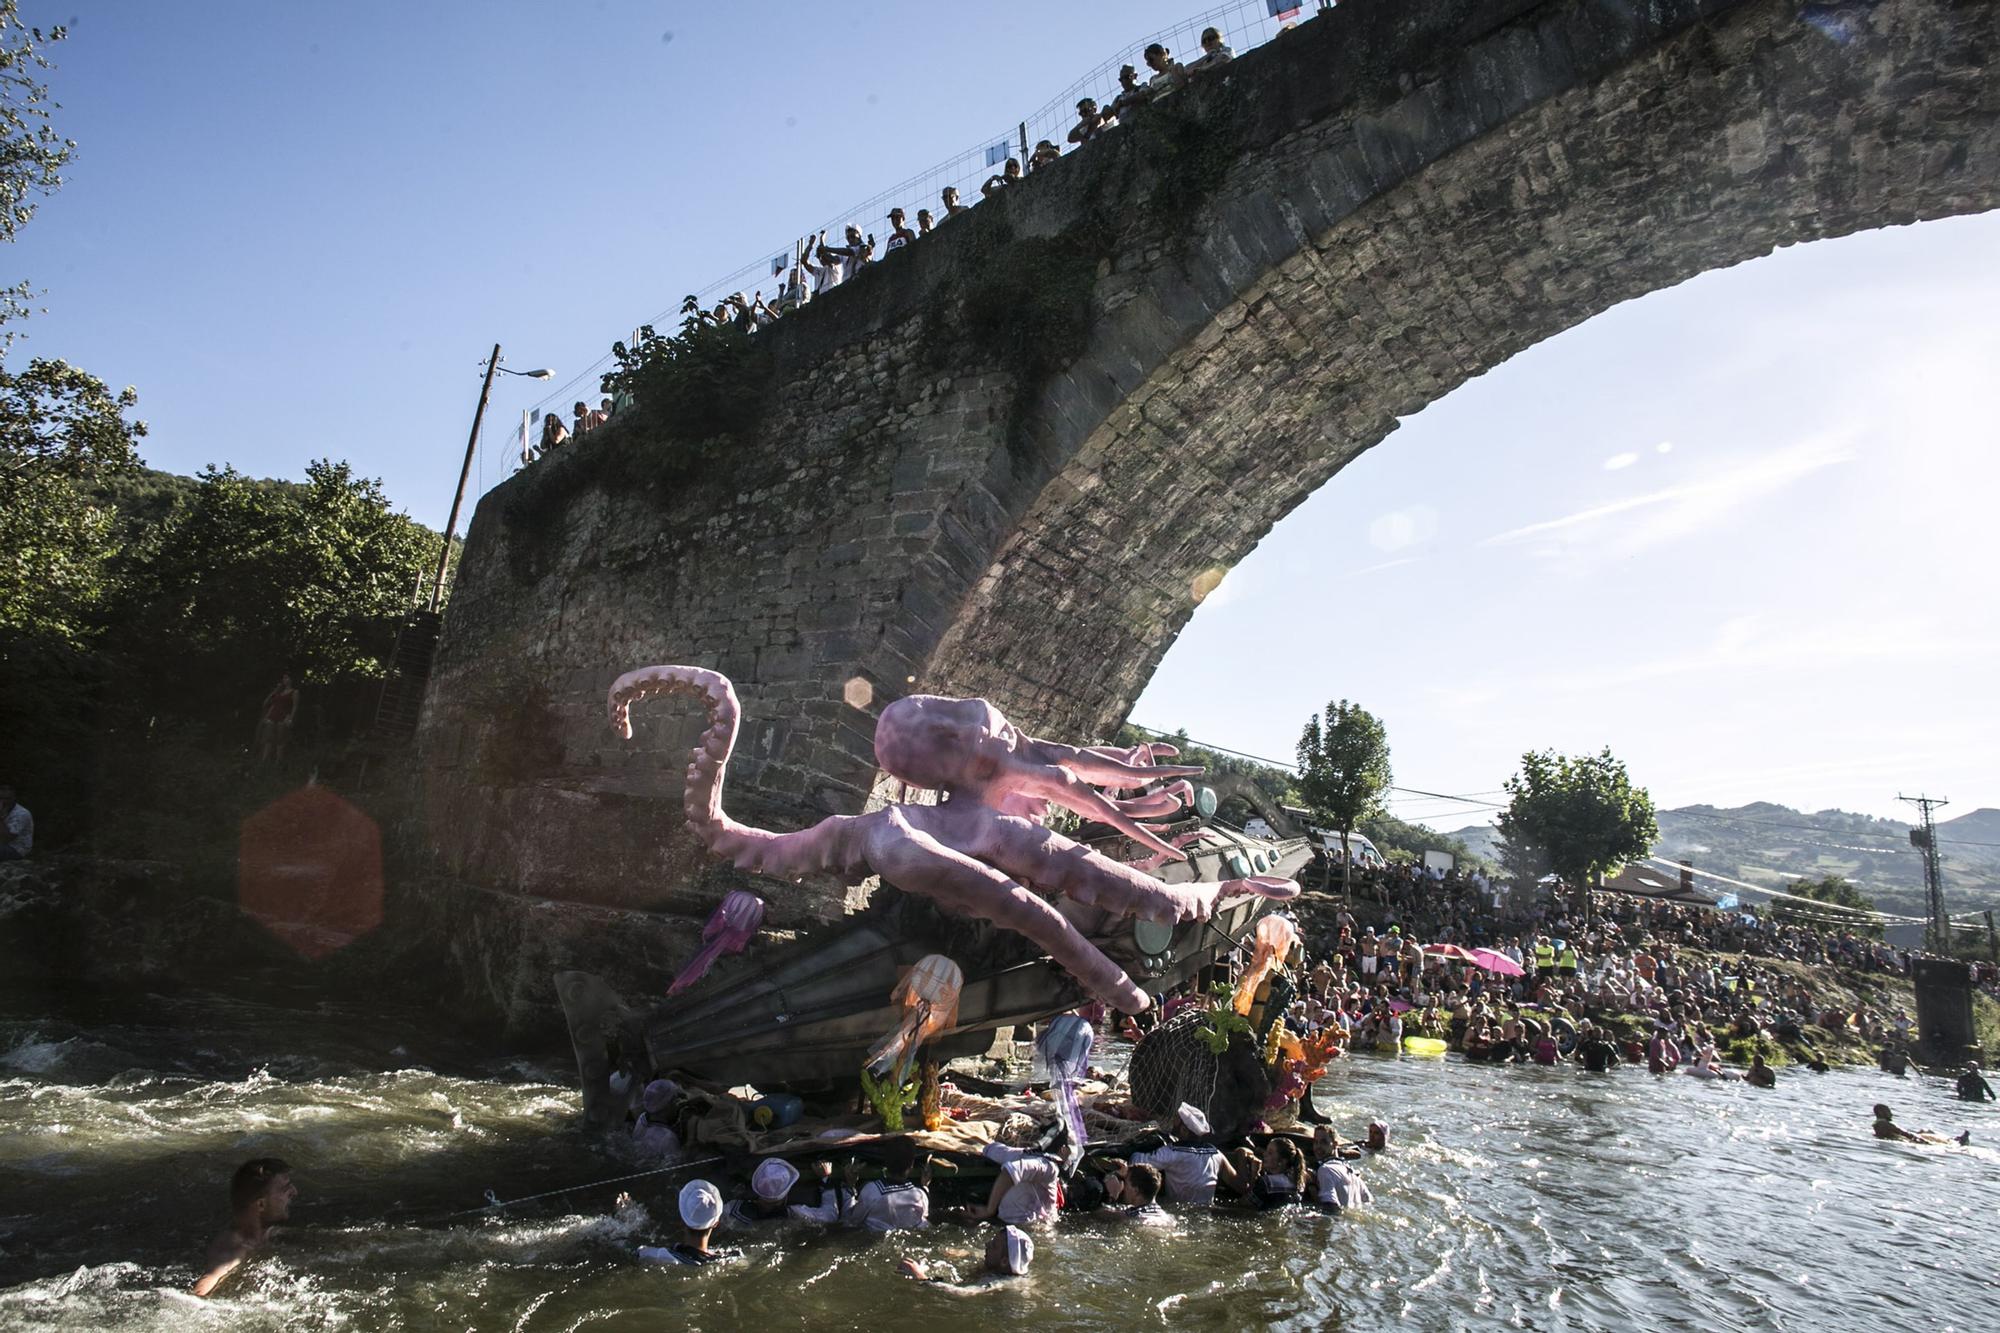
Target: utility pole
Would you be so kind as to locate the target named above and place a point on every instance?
(464, 472)
(1992, 936)
(1938, 936)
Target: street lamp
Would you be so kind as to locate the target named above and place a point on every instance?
(465, 470)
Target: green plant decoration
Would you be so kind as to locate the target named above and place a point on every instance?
(890, 1098)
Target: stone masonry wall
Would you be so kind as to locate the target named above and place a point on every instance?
(1339, 229)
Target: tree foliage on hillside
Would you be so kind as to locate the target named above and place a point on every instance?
(1581, 815)
(244, 580)
(1344, 770)
(1845, 907)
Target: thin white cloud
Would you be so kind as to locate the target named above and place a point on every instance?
(1678, 511)
(1378, 568)
(1617, 461)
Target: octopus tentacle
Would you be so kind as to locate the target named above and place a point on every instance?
(828, 845)
(916, 862)
(1169, 800)
(1047, 860)
(1077, 796)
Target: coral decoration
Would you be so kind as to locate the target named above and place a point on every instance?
(729, 930)
(930, 1098)
(929, 995)
(890, 1098)
(1276, 938)
(982, 851)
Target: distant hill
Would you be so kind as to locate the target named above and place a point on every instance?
(1768, 844)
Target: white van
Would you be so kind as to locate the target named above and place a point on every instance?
(1364, 852)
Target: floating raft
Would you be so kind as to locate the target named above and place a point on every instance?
(802, 1018)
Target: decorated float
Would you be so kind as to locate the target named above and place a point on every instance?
(990, 919)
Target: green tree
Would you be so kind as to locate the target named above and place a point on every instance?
(244, 580)
(1581, 815)
(62, 434)
(32, 154)
(1344, 772)
(1845, 907)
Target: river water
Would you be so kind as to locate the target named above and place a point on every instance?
(1540, 1199)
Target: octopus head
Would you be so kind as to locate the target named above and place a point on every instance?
(948, 745)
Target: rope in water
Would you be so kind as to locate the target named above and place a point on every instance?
(494, 1203)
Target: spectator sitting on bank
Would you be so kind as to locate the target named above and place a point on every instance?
(1045, 153)
(924, 222)
(554, 434)
(274, 719)
(603, 412)
(1214, 51)
(899, 234)
(1131, 93)
(1168, 73)
(949, 198)
(580, 414)
(1008, 175)
(1090, 122)
(17, 827)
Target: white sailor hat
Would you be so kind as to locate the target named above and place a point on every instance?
(1020, 1250)
(1191, 1116)
(701, 1205)
(773, 1179)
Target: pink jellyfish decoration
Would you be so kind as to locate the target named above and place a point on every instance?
(1065, 1048)
(728, 930)
(928, 993)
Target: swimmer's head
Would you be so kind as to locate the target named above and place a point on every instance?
(262, 1186)
(1881, 1112)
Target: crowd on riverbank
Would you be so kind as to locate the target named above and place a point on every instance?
(1666, 984)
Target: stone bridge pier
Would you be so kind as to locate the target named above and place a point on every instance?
(1010, 459)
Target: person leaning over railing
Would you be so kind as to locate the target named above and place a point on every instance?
(1007, 175)
(1214, 52)
(1090, 122)
(1168, 73)
(948, 196)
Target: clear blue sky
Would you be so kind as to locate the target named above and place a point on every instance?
(297, 229)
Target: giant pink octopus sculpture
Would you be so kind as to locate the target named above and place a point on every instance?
(982, 851)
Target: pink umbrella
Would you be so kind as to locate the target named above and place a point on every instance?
(1452, 952)
(1495, 961)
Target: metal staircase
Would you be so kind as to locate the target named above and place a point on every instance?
(402, 698)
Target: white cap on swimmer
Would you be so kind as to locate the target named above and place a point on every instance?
(1020, 1250)
(701, 1205)
(1193, 1119)
(773, 1179)
(659, 1095)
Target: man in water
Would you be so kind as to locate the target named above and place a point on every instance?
(893, 1203)
(1596, 1051)
(1887, 1128)
(1760, 1075)
(1008, 1254)
(260, 1197)
(1335, 1186)
(1972, 1087)
(1191, 1165)
(701, 1210)
(1135, 1192)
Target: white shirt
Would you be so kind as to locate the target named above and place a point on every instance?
(1190, 1170)
(20, 830)
(1336, 1184)
(1037, 1179)
(881, 1206)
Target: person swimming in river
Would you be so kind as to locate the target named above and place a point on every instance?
(701, 1211)
(260, 1197)
(1972, 1086)
(1008, 1255)
(1887, 1128)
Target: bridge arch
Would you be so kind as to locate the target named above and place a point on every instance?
(1009, 460)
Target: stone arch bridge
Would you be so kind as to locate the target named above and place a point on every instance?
(1010, 458)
